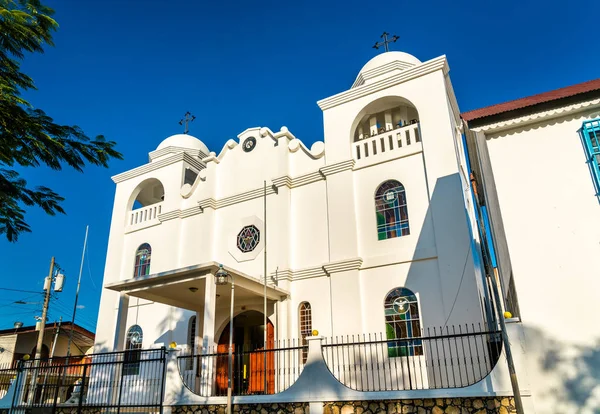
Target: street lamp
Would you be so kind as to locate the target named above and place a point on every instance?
(221, 278)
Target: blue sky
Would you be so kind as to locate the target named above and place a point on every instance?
(130, 69)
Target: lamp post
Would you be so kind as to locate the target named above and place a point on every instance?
(221, 278)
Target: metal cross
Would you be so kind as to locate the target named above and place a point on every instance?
(385, 42)
(187, 119)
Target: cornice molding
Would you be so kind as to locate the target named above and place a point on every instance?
(156, 165)
(168, 150)
(425, 68)
(336, 168)
(381, 70)
(539, 116)
(318, 271)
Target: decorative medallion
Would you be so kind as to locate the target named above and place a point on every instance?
(401, 305)
(390, 196)
(135, 338)
(248, 238)
(249, 144)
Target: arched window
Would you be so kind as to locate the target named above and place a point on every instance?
(191, 341)
(142, 260)
(133, 346)
(402, 322)
(391, 210)
(305, 323)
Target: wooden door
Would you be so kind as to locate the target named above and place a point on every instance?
(222, 362)
(256, 383)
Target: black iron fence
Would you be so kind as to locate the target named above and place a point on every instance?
(451, 357)
(110, 382)
(8, 374)
(256, 371)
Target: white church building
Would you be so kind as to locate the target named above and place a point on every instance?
(377, 230)
(374, 214)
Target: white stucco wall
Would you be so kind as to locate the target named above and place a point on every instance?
(552, 223)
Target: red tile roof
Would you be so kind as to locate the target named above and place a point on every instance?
(532, 100)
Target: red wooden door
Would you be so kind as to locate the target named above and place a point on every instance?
(222, 362)
(256, 383)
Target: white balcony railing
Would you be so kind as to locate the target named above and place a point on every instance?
(392, 140)
(144, 214)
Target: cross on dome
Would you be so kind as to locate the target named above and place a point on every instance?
(187, 119)
(386, 41)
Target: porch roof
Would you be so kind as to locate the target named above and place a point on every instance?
(173, 287)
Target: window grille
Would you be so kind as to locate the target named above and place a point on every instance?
(391, 210)
(305, 326)
(191, 341)
(402, 321)
(142, 260)
(590, 134)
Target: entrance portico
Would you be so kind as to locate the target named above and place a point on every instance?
(194, 288)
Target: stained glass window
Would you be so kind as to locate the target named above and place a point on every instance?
(305, 314)
(391, 210)
(402, 322)
(142, 260)
(248, 238)
(133, 346)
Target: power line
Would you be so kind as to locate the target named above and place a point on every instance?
(19, 290)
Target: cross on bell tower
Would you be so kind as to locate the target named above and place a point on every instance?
(386, 41)
(187, 119)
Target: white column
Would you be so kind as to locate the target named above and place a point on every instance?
(389, 125)
(373, 125)
(121, 325)
(208, 332)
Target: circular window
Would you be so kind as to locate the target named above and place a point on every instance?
(249, 144)
(248, 238)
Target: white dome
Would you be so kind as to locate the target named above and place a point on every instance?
(389, 57)
(184, 141)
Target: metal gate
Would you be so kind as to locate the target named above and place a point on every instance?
(129, 381)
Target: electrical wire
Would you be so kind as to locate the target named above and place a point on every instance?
(87, 252)
(19, 290)
(459, 285)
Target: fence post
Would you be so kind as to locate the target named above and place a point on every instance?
(121, 382)
(57, 390)
(16, 385)
(82, 389)
(163, 354)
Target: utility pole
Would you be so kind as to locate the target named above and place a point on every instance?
(40, 341)
(47, 288)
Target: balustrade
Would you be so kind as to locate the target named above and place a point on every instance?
(392, 140)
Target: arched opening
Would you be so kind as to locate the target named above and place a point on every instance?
(45, 354)
(391, 210)
(385, 125)
(305, 324)
(145, 200)
(143, 256)
(133, 347)
(191, 341)
(402, 321)
(249, 353)
(148, 192)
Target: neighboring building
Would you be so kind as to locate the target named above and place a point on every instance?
(18, 342)
(537, 163)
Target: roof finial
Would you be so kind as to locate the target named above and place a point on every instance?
(385, 42)
(187, 119)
